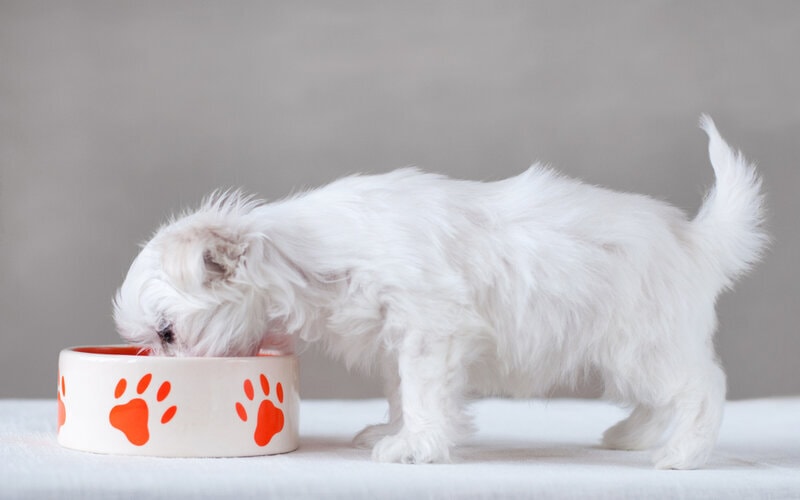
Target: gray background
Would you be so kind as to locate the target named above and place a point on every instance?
(115, 114)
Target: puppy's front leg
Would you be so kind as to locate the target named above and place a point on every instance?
(370, 435)
(431, 382)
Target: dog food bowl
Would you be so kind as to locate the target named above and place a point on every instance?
(118, 399)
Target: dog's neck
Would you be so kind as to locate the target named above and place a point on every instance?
(312, 269)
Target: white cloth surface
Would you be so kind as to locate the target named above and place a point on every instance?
(523, 449)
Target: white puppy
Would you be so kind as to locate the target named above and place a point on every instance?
(455, 288)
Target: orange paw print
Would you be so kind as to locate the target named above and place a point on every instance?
(132, 418)
(269, 420)
(62, 410)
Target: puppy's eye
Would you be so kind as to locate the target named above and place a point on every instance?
(165, 332)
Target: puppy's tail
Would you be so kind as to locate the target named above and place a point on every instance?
(729, 225)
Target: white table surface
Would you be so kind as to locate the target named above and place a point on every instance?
(523, 449)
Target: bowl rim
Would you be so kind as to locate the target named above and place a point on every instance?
(130, 352)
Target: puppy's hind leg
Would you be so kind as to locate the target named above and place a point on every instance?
(432, 376)
(698, 415)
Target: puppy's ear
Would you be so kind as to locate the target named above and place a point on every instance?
(222, 255)
(201, 256)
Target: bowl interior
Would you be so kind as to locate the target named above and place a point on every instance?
(119, 350)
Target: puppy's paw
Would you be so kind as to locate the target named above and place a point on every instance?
(616, 439)
(681, 457)
(622, 437)
(371, 434)
(411, 448)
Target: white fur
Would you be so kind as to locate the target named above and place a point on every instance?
(455, 288)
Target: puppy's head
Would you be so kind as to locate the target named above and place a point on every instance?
(206, 284)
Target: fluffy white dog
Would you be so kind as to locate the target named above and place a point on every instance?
(454, 288)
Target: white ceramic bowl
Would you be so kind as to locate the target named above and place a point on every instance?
(118, 399)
